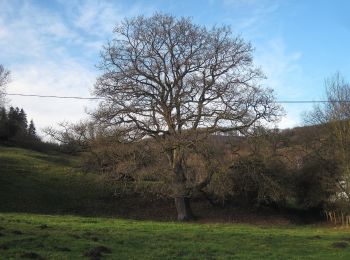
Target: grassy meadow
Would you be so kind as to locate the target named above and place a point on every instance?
(51, 210)
(68, 237)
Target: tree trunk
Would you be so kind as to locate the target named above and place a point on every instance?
(184, 212)
(181, 193)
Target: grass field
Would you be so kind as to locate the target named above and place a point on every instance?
(40, 193)
(67, 237)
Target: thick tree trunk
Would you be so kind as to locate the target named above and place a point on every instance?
(181, 193)
(184, 212)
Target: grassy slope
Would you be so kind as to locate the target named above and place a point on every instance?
(38, 183)
(41, 183)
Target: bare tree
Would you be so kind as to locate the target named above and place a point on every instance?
(74, 137)
(334, 117)
(4, 79)
(178, 82)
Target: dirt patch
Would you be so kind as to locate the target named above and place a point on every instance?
(3, 247)
(32, 255)
(341, 245)
(97, 252)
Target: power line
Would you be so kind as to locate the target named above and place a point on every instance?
(51, 96)
(100, 98)
(309, 101)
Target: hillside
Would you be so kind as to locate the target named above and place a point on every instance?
(40, 193)
(54, 184)
(47, 183)
(34, 182)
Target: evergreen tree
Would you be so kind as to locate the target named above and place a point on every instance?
(12, 122)
(14, 128)
(22, 120)
(17, 122)
(3, 125)
(31, 129)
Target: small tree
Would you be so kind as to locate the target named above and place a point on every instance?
(178, 82)
(4, 79)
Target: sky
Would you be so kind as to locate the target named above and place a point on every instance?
(52, 47)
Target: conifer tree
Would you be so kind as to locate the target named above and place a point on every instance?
(3, 124)
(22, 120)
(31, 129)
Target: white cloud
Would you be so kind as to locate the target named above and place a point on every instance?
(253, 14)
(289, 121)
(98, 18)
(38, 51)
(48, 78)
(26, 35)
(278, 64)
(54, 53)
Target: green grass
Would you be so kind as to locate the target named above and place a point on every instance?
(33, 184)
(67, 237)
(47, 183)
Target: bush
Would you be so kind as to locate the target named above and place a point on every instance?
(258, 182)
(251, 181)
(316, 182)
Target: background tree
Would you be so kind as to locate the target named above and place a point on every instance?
(178, 82)
(14, 129)
(334, 144)
(4, 131)
(4, 79)
(73, 137)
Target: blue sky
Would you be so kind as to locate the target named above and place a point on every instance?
(52, 47)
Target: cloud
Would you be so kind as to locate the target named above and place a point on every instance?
(39, 50)
(278, 63)
(54, 50)
(252, 14)
(49, 78)
(28, 36)
(98, 18)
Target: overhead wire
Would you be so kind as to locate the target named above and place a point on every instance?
(101, 98)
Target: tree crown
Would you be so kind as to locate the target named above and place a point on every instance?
(163, 75)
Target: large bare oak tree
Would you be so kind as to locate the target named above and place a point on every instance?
(178, 82)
